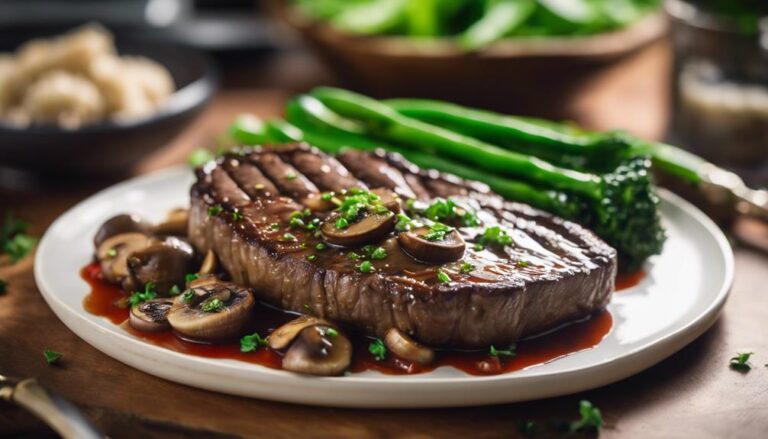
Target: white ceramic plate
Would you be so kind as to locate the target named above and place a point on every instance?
(681, 296)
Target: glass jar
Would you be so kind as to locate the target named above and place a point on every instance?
(720, 82)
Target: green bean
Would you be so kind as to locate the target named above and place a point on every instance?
(501, 17)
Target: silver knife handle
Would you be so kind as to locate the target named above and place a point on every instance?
(61, 415)
(725, 187)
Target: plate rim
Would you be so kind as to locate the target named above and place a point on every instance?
(634, 359)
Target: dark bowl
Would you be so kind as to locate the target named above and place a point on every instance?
(113, 147)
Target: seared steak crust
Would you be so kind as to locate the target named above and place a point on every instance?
(554, 272)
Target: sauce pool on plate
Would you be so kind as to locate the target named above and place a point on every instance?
(109, 301)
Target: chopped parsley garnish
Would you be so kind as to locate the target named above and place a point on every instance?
(331, 333)
(378, 349)
(288, 237)
(274, 226)
(494, 236)
(478, 246)
(466, 267)
(526, 427)
(251, 343)
(212, 305)
(403, 223)
(366, 267)
(511, 351)
(378, 253)
(307, 307)
(199, 156)
(437, 232)
(3, 286)
(321, 246)
(741, 362)
(591, 418)
(174, 291)
(445, 210)
(311, 258)
(342, 223)
(215, 210)
(327, 196)
(188, 296)
(142, 296)
(354, 256)
(190, 277)
(112, 252)
(295, 222)
(290, 175)
(443, 276)
(236, 215)
(523, 264)
(14, 239)
(51, 356)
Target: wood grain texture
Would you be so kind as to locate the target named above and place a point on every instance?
(691, 394)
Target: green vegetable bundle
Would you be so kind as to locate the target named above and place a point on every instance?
(476, 23)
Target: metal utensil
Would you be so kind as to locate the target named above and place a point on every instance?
(61, 415)
(726, 188)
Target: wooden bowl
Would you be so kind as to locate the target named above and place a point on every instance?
(534, 75)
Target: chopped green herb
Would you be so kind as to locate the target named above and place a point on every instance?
(378, 253)
(288, 237)
(307, 307)
(290, 175)
(378, 349)
(741, 362)
(443, 276)
(251, 343)
(591, 418)
(446, 210)
(342, 223)
(509, 352)
(274, 226)
(148, 294)
(367, 267)
(212, 305)
(354, 256)
(478, 247)
(215, 210)
(358, 201)
(466, 267)
(523, 264)
(495, 236)
(112, 252)
(306, 212)
(303, 245)
(190, 277)
(526, 427)
(236, 215)
(3, 286)
(331, 332)
(296, 222)
(326, 196)
(403, 223)
(51, 356)
(321, 246)
(311, 258)
(188, 296)
(437, 232)
(19, 246)
(174, 291)
(199, 156)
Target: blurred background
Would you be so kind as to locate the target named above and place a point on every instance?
(693, 72)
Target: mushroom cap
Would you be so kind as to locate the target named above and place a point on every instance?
(123, 223)
(281, 337)
(188, 318)
(449, 249)
(389, 199)
(152, 315)
(407, 348)
(371, 227)
(175, 223)
(163, 263)
(314, 352)
(114, 251)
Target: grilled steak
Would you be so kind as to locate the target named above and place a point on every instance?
(553, 272)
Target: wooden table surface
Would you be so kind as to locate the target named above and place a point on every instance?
(693, 394)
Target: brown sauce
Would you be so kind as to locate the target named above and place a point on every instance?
(574, 337)
(625, 281)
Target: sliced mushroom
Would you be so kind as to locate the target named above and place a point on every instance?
(152, 315)
(315, 352)
(193, 317)
(210, 262)
(175, 223)
(164, 263)
(389, 199)
(371, 228)
(407, 348)
(284, 335)
(114, 251)
(451, 248)
(118, 225)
